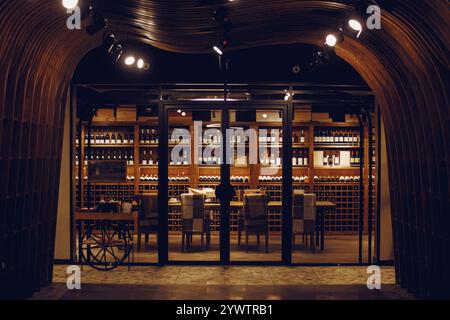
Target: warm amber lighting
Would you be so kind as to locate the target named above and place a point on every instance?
(217, 49)
(140, 63)
(356, 26)
(129, 60)
(331, 40)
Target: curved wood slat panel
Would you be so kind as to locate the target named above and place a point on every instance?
(405, 63)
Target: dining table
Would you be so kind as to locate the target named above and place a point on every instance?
(321, 209)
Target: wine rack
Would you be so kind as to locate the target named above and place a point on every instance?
(138, 141)
(108, 192)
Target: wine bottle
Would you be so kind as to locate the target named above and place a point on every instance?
(150, 157)
(152, 137)
(113, 138)
(305, 158)
(300, 158)
(131, 159)
(294, 158)
(141, 137)
(147, 136)
(337, 159)
(131, 140)
(302, 137)
(125, 138)
(144, 158)
(119, 138)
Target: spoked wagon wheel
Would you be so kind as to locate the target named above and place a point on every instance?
(106, 245)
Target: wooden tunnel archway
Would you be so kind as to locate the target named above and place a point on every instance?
(405, 64)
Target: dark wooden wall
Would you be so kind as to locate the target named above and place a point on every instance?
(405, 63)
(38, 55)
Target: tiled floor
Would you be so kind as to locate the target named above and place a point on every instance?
(217, 282)
(338, 249)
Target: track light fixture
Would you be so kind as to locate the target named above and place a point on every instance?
(112, 46)
(98, 23)
(117, 52)
(109, 41)
(129, 60)
(332, 39)
(288, 95)
(218, 50)
(140, 63)
(221, 46)
(355, 25)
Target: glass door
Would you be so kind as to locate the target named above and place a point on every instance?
(218, 163)
(192, 149)
(256, 156)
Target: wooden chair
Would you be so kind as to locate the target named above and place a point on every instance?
(148, 217)
(254, 217)
(194, 220)
(304, 217)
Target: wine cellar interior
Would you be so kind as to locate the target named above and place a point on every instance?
(326, 161)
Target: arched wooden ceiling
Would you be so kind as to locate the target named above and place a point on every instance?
(405, 63)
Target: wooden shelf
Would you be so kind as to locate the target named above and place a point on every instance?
(344, 194)
(330, 146)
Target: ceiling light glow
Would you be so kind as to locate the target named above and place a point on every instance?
(331, 40)
(129, 60)
(217, 49)
(70, 4)
(140, 63)
(356, 26)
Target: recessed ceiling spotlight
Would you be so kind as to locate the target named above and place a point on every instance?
(179, 110)
(140, 63)
(129, 60)
(70, 4)
(183, 113)
(264, 115)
